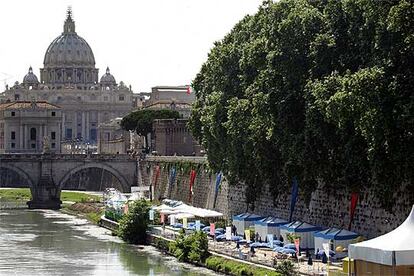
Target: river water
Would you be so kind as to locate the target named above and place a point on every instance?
(53, 243)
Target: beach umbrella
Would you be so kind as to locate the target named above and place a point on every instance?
(278, 249)
(290, 246)
(322, 253)
(288, 251)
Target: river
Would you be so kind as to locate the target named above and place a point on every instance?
(52, 243)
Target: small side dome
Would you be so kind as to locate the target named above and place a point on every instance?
(30, 78)
(107, 79)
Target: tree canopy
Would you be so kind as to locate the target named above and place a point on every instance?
(320, 90)
(140, 121)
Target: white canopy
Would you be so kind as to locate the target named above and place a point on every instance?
(380, 250)
(178, 207)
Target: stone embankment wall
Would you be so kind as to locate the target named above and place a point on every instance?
(323, 209)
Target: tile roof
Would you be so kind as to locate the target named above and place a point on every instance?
(27, 105)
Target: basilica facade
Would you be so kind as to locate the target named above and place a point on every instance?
(70, 81)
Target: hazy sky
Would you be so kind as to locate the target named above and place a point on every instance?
(144, 43)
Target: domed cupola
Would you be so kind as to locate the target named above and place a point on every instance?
(30, 79)
(69, 58)
(108, 79)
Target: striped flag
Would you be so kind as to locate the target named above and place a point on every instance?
(189, 90)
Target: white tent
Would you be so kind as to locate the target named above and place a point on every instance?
(336, 237)
(268, 225)
(244, 221)
(303, 230)
(392, 253)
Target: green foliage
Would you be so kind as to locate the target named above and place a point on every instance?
(161, 244)
(190, 248)
(231, 267)
(133, 226)
(24, 194)
(286, 268)
(291, 237)
(141, 121)
(318, 90)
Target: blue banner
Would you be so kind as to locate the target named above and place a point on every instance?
(218, 181)
(173, 173)
(295, 190)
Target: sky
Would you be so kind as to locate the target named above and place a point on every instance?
(144, 43)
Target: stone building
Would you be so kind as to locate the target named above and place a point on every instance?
(172, 137)
(30, 127)
(171, 97)
(112, 139)
(70, 80)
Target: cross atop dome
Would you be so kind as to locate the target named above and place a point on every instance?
(69, 26)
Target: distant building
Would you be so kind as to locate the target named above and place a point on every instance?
(112, 139)
(171, 97)
(30, 126)
(70, 80)
(172, 137)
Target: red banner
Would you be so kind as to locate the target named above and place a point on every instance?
(192, 179)
(354, 201)
(212, 229)
(297, 245)
(156, 175)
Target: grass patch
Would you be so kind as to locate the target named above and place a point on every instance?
(17, 194)
(231, 267)
(79, 197)
(23, 194)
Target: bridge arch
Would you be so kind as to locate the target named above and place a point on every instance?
(103, 166)
(19, 171)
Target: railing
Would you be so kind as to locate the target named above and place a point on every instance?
(172, 159)
(58, 156)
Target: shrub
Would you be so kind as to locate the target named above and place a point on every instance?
(231, 267)
(286, 268)
(133, 226)
(192, 248)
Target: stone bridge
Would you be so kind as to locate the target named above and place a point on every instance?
(46, 174)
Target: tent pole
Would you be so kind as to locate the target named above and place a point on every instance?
(393, 263)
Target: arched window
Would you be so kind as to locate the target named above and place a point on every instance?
(33, 133)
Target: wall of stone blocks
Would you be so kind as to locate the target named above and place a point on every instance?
(324, 209)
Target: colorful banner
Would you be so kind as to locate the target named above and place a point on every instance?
(185, 223)
(354, 201)
(212, 229)
(197, 225)
(270, 240)
(126, 208)
(173, 173)
(162, 218)
(228, 233)
(218, 181)
(326, 249)
(172, 219)
(151, 214)
(295, 190)
(192, 179)
(297, 245)
(156, 175)
(247, 234)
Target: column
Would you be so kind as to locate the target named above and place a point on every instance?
(63, 129)
(83, 125)
(87, 126)
(26, 137)
(21, 139)
(39, 142)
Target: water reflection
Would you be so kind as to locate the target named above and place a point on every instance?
(51, 243)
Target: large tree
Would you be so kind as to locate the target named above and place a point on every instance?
(317, 90)
(141, 121)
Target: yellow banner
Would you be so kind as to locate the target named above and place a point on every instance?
(247, 234)
(185, 223)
